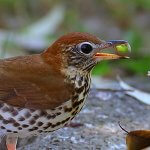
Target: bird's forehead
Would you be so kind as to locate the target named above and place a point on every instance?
(76, 38)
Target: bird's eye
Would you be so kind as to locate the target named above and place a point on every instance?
(85, 47)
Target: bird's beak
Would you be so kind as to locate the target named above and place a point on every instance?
(111, 44)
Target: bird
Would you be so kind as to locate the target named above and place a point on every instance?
(43, 92)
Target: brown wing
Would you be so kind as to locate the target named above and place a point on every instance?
(31, 86)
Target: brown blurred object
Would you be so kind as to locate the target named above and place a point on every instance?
(138, 140)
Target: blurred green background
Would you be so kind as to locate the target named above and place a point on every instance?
(29, 26)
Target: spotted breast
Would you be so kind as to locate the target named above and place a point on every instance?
(24, 122)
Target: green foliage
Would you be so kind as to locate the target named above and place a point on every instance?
(102, 68)
(72, 22)
(139, 66)
(135, 40)
(145, 4)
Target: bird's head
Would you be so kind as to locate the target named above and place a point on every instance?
(79, 52)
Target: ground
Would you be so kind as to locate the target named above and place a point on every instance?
(100, 117)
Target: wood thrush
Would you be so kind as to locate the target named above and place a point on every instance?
(41, 93)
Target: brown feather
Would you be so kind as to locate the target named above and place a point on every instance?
(27, 81)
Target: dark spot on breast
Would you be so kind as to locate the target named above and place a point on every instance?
(58, 123)
(72, 117)
(40, 123)
(85, 93)
(82, 100)
(5, 121)
(11, 109)
(51, 116)
(25, 125)
(1, 104)
(8, 130)
(32, 110)
(81, 108)
(74, 113)
(5, 109)
(77, 108)
(36, 117)
(30, 130)
(1, 117)
(79, 90)
(66, 109)
(16, 124)
(32, 121)
(21, 119)
(53, 125)
(34, 128)
(47, 126)
(60, 108)
(58, 113)
(65, 124)
(47, 131)
(77, 103)
(43, 113)
(64, 121)
(11, 120)
(75, 97)
(27, 114)
(19, 109)
(14, 113)
(3, 127)
(15, 132)
(19, 128)
(40, 131)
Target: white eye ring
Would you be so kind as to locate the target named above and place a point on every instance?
(85, 47)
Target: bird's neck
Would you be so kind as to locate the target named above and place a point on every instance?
(77, 78)
(72, 73)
